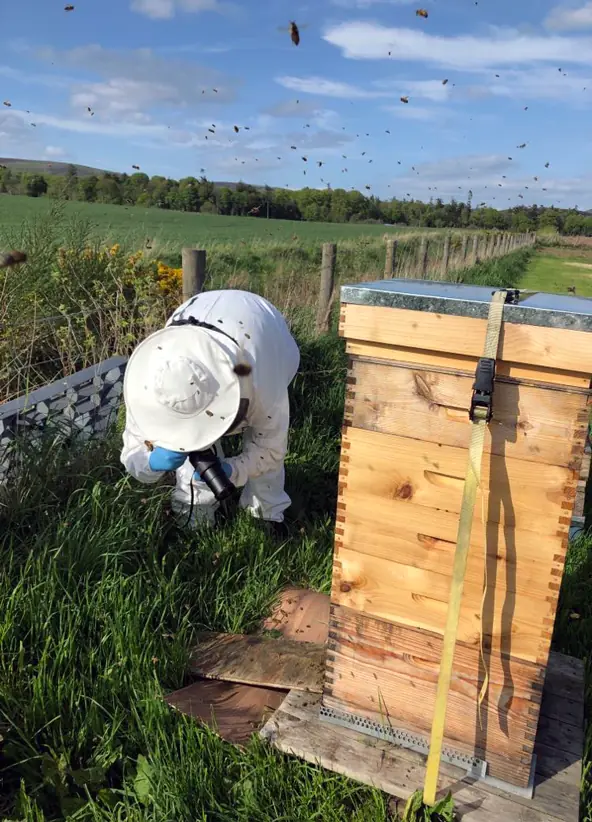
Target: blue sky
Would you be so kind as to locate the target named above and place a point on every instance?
(147, 70)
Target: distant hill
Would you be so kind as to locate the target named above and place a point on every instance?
(49, 167)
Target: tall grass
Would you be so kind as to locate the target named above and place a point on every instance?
(79, 300)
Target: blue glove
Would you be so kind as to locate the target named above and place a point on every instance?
(225, 467)
(161, 459)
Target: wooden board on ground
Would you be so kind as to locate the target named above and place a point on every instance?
(296, 728)
(260, 660)
(234, 712)
(300, 614)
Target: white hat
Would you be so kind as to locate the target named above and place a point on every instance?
(181, 389)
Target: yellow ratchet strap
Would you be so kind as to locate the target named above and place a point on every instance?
(480, 416)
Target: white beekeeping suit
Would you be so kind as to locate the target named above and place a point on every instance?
(224, 371)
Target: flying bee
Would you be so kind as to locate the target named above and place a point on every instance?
(404, 99)
(7, 103)
(444, 82)
(294, 31)
(68, 8)
(236, 129)
(136, 167)
(422, 13)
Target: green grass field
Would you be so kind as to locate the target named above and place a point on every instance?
(132, 225)
(557, 269)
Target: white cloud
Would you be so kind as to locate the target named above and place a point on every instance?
(482, 174)
(291, 108)
(409, 112)
(544, 83)
(366, 4)
(563, 18)
(166, 9)
(426, 89)
(361, 40)
(108, 129)
(17, 138)
(54, 152)
(322, 86)
(186, 83)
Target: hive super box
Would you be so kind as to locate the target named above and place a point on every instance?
(413, 347)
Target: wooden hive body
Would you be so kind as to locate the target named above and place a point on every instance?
(403, 463)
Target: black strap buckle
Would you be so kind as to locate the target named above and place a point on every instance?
(483, 388)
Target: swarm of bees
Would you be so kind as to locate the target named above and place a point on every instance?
(422, 13)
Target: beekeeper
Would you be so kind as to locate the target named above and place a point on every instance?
(221, 365)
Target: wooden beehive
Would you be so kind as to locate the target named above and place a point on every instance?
(413, 347)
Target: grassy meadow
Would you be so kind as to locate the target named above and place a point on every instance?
(102, 593)
(556, 269)
(170, 230)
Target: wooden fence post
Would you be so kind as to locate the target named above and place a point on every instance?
(475, 250)
(326, 288)
(423, 257)
(445, 258)
(194, 271)
(464, 250)
(390, 263)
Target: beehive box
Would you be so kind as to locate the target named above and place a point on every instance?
(413, 347)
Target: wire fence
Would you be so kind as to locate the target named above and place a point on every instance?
(36, 349)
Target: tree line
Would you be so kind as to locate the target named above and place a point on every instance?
(317, 205)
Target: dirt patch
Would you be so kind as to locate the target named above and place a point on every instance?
(567, 252)
(579, 265)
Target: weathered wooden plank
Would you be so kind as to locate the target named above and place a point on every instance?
(431, 475)
(235, 712)
(258, 660)
(526, 344)
(564, 676)
(300, 614)
(296, 728)
(461, 362)
(533, 424)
